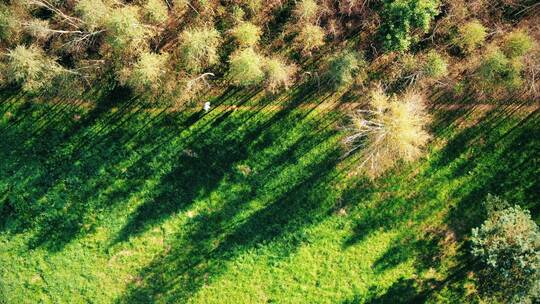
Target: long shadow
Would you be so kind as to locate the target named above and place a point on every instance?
(508, 166)
(72, 163)
(220, 236)
(79, 157)
(208, 159)
(216, 148)
(499, 154)
(291, 193)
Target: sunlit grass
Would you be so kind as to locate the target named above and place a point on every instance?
(241, 206)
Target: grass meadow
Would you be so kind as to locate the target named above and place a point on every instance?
(114, 201)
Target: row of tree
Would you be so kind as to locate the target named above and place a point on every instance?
(173, 48)
(173, 51)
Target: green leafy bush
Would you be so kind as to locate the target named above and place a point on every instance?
(400, 18)
(253, 5)
(126, 33)
(198, 48)
(247, 34)
(306, 10)
(497, 70)
(246, 68)
(310, 38)
(278, 74)
(7, 23)
(342, 68)
(517, 44)
(508, 246)
(93, 12)
(470, 36)
(38, 29)
(147, 73)
(30, 68)
(434, 66)
(156, 11)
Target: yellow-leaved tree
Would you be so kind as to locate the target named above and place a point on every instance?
(391, 129)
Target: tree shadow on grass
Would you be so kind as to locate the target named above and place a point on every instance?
(198, 257)
(507, 165)
(287, 189)
(70, 166)
(78, 164)
(37, 191)
(498, 154)
(207, 153)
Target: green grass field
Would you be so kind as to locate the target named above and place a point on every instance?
(120, 204)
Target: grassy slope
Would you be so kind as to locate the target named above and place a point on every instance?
(248, 206)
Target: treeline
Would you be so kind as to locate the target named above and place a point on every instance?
(175, 49)
(386, 53)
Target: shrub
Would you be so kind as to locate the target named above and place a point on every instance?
(246, 34)
(402, 17)
(180, 7)
(93, 12)
(497, 70)
(237, 14)
(198, 48)
(126, 34)
(147, 73)
(37, 28)
(246, 68)
(434, 66)
(517, 44)
(278, 74)
(309, 38)
(253, 5)
(508, 247)
(471, 35)
(31, 69)
(391, 129)
(156, 11)
(306, 10)
(7, 23)
(342, 68)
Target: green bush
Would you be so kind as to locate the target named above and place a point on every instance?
(93, 12)
(246, 34)
(342, 68)
(126, 33)
(306, 10)
(147, 73)
(470, 36)
(38, 29)
(508, 247)
(517, 44)
(246, 68)
(278, 74)
(253, 5)
(30, 68)
(400, 18)
(434, 66)
(198, 48)
(156, 11)
(7, 23)
(497, 70)
(310, 38)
